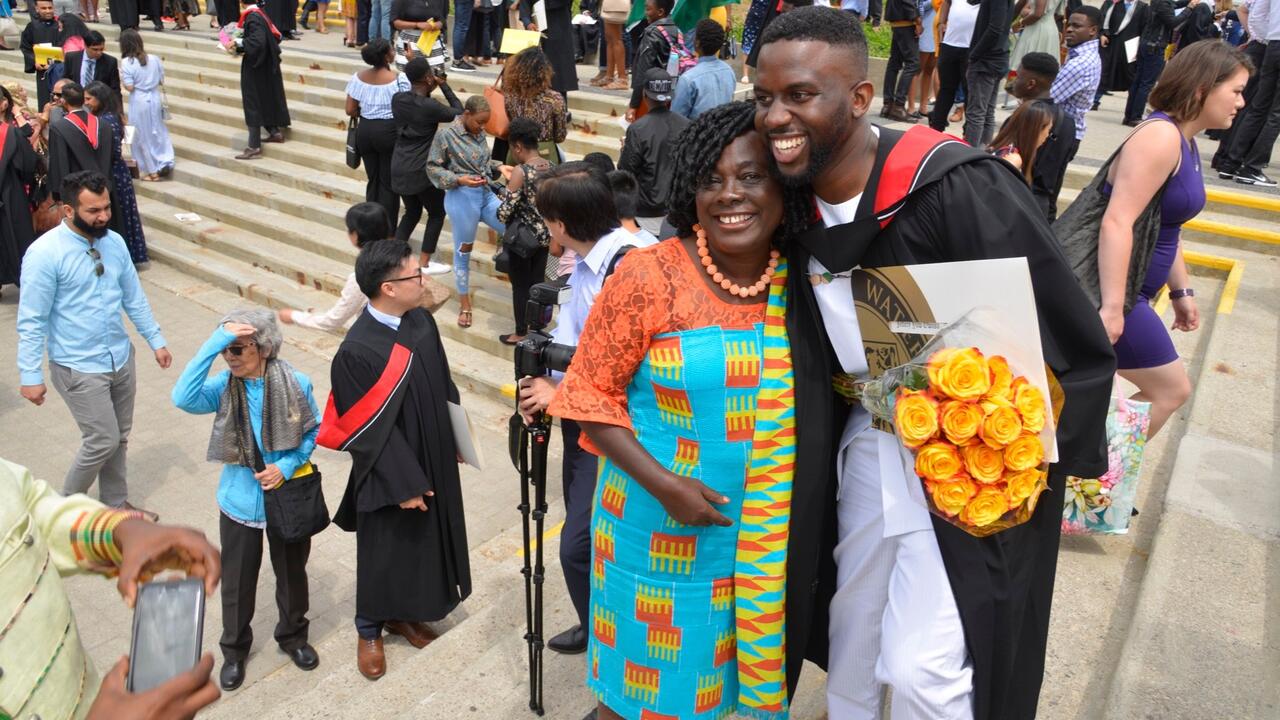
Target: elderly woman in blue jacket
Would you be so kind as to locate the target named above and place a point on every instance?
(264, 416)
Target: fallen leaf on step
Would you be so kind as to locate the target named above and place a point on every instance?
(328, 195)
(302, 79)
(1224, 368)
(314, 66)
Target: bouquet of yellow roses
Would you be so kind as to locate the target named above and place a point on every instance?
(980, 432)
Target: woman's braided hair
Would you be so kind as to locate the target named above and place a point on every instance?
(697, 150)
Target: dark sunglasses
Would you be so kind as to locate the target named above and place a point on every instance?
(98, 269)
(416, 276)
(57, 95)
(238, 350)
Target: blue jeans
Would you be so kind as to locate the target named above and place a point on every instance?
(380, 19)
(461, 26)
(466, 207)
(1149, 66)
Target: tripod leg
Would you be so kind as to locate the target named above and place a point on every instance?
(539, 474)
(526, 479)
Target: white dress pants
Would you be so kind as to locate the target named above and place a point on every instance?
(894, 620)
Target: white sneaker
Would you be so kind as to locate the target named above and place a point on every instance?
(436, 268)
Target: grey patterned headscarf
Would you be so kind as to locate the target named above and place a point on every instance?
(286, 414)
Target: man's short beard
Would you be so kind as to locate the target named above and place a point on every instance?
(820, 154)
(94, 232)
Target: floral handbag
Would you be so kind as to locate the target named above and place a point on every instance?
(1105, 505)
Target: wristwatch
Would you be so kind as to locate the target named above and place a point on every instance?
(1179, 294)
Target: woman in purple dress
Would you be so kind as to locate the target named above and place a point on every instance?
(1201, 89)
(101, 101)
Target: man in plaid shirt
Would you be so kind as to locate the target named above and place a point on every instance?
(1078, 79)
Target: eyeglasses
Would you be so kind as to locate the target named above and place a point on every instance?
(98, 269)
(56, 95)
(416, 276)
(238, 350)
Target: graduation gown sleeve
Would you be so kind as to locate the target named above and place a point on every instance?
(59, 160)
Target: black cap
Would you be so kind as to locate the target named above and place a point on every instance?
(657, 85)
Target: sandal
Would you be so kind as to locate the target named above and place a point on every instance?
(464, 318)
(618, 84)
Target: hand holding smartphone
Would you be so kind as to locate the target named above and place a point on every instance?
(168, 628)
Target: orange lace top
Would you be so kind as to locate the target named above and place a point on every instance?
(655, 290)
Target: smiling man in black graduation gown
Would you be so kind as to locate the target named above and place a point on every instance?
(955, 624)
(389, 409)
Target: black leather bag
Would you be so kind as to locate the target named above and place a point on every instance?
(502, 261)
(296, 510)
(353, 157)
(519, 240)
(1077, 231)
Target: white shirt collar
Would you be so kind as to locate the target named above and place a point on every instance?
(391, 321)
(604, 248)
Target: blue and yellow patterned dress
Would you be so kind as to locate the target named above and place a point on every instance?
(664, 355)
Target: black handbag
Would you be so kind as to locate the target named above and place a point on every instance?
(519, 240)
(353, 157)
(1077, 231)
(502, 261)
(296, 510)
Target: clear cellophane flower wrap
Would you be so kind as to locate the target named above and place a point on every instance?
(980, 432)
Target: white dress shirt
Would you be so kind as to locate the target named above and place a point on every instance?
(350, 302)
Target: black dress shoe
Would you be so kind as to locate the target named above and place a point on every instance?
(232, 675)
(570, 642)
(304, 657)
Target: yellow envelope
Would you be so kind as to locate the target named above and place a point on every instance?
(515, 40)
(46, 52)
(427, 41)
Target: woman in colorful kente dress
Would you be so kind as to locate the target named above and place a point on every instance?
(683, 383)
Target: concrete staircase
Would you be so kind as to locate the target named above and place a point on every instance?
(271, 230)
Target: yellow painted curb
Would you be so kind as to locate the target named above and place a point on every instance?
(551, 534)
(1235, 272)
(1226, 197)
(509, 391)
(1270, 237)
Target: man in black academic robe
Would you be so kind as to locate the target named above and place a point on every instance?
(79, 141)
(557, 42)
(1122, 22)
(17, 172)
(261, 82)
(43, 28)
(924, 198)
(389, 409)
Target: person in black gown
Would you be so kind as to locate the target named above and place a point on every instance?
(892, 198)
(1122, 21)
(261, 82)
(43, 28)
(389, 409)
(557, 43)
(17, 173)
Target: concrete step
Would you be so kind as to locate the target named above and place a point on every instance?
(1242, 206)
(289, 215)
(263, 286)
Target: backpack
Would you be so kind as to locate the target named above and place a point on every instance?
(680, 58)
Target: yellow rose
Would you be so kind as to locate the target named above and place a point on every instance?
(938, 461)
(1029, 401)
(951, 497)
(985, 464)
(1001, 427)
(960, 421)
(916, 417)
(937, 362)
(1022, 485)
(1025, 453)
(961, 374)
(1001, 377)
(988, 506)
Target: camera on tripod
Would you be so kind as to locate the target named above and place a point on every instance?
(536, 354)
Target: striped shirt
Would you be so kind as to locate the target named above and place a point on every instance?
(1077, 82)
(375, 100)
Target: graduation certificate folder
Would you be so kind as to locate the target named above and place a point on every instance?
(957, 372)
(464, 437)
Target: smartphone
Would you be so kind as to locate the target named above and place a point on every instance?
(168, 628)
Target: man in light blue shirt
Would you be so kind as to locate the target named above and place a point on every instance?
(711, 81)
(76, 280)
(577, 204)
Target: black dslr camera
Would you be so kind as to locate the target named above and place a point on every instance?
(536, 354)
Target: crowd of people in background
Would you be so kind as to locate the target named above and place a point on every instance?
(703, 221)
